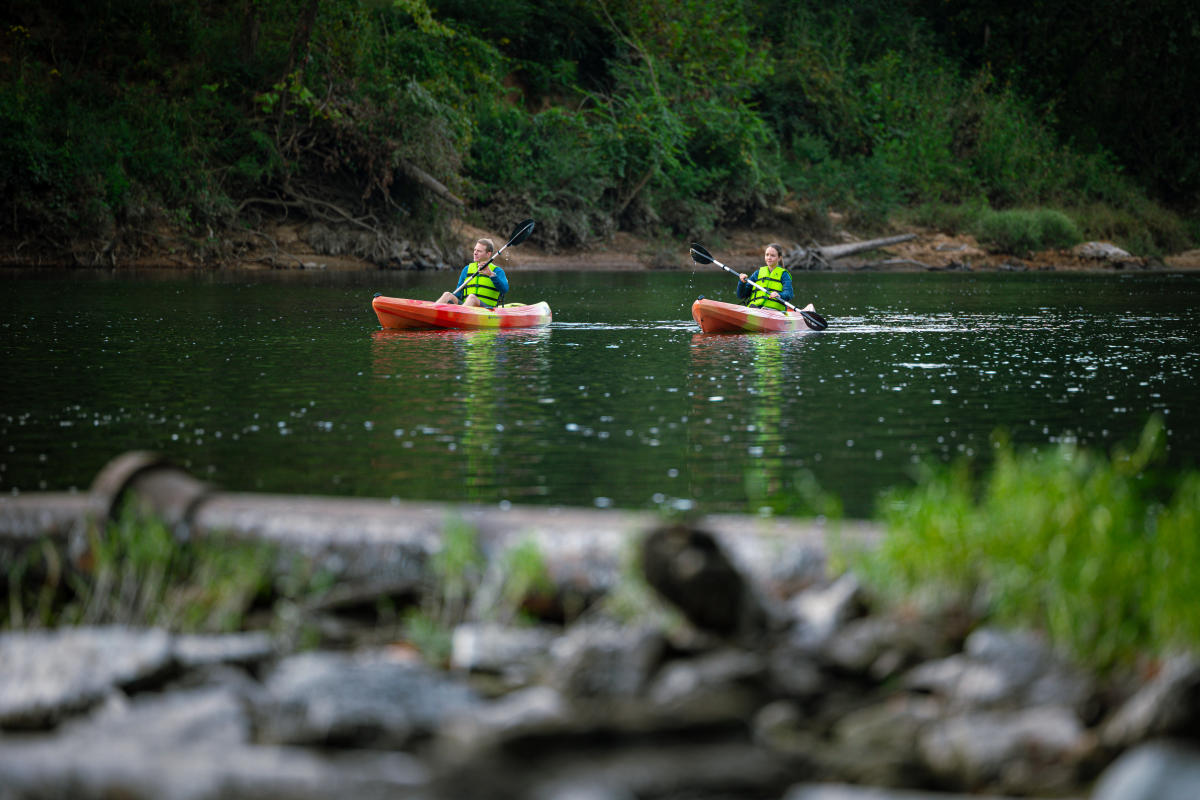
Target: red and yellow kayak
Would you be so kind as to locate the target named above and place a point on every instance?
(403, 314)
(713, 316)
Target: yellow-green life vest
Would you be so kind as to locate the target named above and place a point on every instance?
(481, 286)
(772, 281)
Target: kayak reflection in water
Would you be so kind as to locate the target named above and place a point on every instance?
(773, 277)
(479, 285)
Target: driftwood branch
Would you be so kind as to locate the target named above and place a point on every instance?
(621, 206)
(278, 251)
(820, 256)
(429, 182)
(267, 201)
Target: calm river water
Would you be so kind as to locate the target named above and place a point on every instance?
(284, 382)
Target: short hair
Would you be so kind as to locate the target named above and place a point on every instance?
(491, 248)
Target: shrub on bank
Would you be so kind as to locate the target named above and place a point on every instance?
(1022, 231)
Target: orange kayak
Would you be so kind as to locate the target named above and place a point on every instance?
(713, 316)
(404, 314)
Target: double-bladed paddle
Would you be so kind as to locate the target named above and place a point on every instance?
(811, 318)
(520, 234)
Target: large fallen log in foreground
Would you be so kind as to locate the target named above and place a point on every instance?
(378, 546)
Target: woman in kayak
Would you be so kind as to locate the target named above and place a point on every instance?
(479, 286)
(773, 277)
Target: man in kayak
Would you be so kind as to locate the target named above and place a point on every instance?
(479, 286)
(773, 277)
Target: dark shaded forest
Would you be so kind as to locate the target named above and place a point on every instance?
(129, 125)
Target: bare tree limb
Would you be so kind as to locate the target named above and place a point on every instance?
(634, 192)
(429, 182)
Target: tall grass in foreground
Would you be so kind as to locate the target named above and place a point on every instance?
(463, 586)
(1094, 551)
(137, 572)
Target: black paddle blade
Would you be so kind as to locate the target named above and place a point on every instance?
(700, 255)
(814, 320)
(521, 233)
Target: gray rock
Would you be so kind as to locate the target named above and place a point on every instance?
(879, 647)
(604, 660)
(369, 699)
(194, 651)
(189, 745)
(963, 681)
(50, 675)
(819, 611)
(1160, 770)
(161, 722)
(1168, 705)
(1101, 251)
(516, 653)
(879, 744)
(574, 791)
(725, 686)
(1032, 751)
(1003, 669)
(536, 711)
(617, 770)
(793, 672)
(842, 791)
(781, 726)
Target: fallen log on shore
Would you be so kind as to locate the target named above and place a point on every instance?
(820, 256)
(379, 546)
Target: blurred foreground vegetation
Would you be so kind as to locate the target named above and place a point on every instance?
(132, 124)
(138, 573)
(1099, 553)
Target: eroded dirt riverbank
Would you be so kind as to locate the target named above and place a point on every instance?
(295, 247)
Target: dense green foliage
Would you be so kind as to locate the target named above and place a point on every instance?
(1100, 553)
(179, 123)
(1122, 76)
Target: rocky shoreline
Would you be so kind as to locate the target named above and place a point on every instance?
(731, 661)
(321, 247)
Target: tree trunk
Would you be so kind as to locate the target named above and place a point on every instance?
(303, 33)
(251, 25)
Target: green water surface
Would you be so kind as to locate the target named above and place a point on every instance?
(284, 382)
